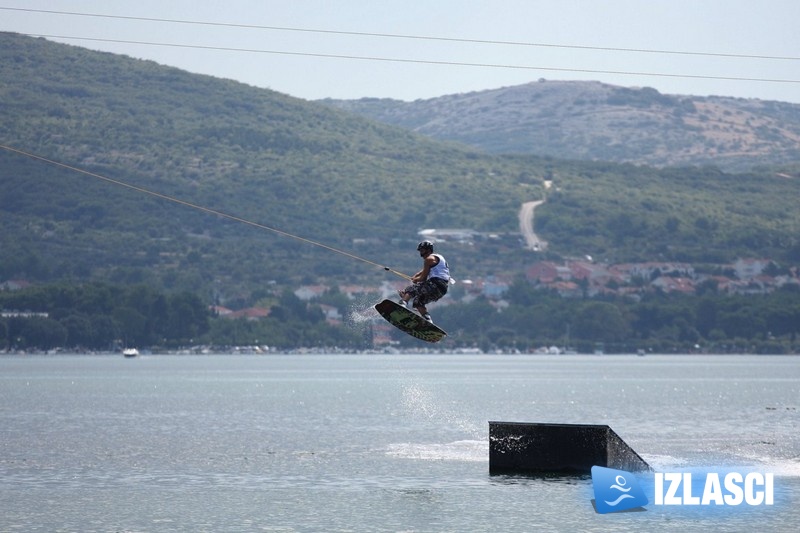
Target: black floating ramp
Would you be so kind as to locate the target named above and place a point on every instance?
(532, 448)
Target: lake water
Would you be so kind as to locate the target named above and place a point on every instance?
(374, 442)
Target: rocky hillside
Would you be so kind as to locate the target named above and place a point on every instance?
(600, 122)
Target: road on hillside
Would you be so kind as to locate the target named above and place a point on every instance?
(532, 241)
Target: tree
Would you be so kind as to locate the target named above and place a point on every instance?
(3, 334)
(601, 322)
(42, 333)
(188, 317)
(133, 326)
(79, 331)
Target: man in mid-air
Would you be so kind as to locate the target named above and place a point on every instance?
(430, 283)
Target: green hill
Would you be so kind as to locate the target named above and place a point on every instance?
(601, 122)
(263, 156)
(324, 174)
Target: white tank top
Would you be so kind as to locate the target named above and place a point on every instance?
(440, 270)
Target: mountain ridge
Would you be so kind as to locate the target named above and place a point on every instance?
(590, 120)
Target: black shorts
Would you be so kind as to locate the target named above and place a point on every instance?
(428, 291)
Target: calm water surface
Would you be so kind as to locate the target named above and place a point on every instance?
(373, 443)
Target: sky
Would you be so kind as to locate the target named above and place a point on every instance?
(420, 49)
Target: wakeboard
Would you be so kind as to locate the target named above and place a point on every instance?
(410, 322)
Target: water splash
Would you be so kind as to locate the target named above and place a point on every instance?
(361, 311)
(421, 402)
(361, 314)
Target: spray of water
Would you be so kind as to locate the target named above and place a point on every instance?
(360, 315)
(421, 402)
(361, 311)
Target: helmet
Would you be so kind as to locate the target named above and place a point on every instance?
(425, 245)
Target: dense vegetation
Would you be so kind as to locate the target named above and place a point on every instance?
(625, 213)
(105, 317)
(99, 316)
(314, 172)
(102, 317)
(254, 153)
(660, 323)
(319, 173)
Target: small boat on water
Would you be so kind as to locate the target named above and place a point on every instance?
(130, 352)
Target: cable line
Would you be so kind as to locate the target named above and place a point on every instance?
(199, 208)
(405, 36)
(418, 61)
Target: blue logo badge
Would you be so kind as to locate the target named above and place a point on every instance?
(616, 490)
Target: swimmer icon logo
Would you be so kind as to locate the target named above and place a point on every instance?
(616, 490)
